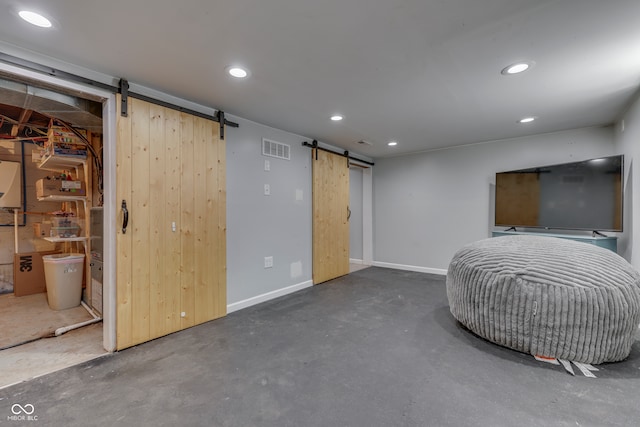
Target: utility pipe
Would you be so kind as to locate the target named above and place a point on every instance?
(66, 329)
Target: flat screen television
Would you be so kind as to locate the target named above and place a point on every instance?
(585, 195)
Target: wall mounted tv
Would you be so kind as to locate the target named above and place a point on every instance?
(584, 195)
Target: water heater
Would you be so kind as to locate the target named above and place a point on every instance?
(10, 184)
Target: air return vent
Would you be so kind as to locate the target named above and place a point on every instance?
(276, 149)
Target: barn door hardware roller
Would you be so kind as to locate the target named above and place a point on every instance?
(124, 92)
(221, 119)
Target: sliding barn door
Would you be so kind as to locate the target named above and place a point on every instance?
(330, 215)
(171, 257)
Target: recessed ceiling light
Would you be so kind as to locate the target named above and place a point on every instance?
(527, 119)
(35, 18)
(392, 143)
(336, 117)
(237, 72)
(516, 68)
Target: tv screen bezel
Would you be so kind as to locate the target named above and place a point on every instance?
(544, 227)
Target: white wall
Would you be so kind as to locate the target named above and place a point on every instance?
(627, 140)
(428, 205)
(258, 226)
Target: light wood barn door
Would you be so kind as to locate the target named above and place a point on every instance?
(171, 259)
(330, 215)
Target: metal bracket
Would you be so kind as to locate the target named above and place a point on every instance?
(221, 120)
(224, 122)
(124, 92)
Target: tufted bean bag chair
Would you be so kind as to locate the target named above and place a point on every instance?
(547, 296)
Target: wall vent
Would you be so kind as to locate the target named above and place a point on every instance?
(276, 149)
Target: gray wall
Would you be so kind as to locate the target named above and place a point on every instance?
(428, 205)
(627, 139)
(355, 204)
(278, 225)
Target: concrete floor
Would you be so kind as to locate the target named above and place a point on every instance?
(375, 348)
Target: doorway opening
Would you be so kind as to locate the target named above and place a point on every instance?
(41, 334)
(360, 223)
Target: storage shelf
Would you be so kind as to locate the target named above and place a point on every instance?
(55, 163)
(61, 198)
(64, 239)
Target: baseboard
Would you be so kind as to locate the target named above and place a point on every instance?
(416, 268)
(355, 261)
(268, 296)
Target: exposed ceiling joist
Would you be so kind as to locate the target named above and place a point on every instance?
(24, 118)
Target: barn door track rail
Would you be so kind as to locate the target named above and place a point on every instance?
(346, 154)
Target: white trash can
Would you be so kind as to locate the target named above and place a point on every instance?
(63, 277)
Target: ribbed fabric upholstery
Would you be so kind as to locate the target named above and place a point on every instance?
(547, 296)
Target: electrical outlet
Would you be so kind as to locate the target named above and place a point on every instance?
(267, 190)
(268, 262)
(267, 165)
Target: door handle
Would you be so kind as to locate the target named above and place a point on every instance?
(125, 219)
(348, 213)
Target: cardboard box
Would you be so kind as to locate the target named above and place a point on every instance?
(58, 187)
(28, 273)
(42, 229)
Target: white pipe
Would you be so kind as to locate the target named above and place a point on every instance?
(90, 310)
(15, 229)
(66, 329)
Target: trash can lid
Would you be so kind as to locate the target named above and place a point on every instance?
(62, 257)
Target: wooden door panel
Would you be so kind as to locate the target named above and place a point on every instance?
(330, 216)
(171, 263)
(157, 219)
(139, 229)
(124, 337)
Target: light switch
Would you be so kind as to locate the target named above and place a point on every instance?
(267, 165)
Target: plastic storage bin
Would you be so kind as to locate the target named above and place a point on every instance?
(63, 278)
(64, 227)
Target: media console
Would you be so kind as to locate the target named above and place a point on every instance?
(610, 243)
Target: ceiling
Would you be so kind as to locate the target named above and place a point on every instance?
(424, 73)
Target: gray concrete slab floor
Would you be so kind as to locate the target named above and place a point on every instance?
(377, 347)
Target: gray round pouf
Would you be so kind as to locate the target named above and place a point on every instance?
(547, 296)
